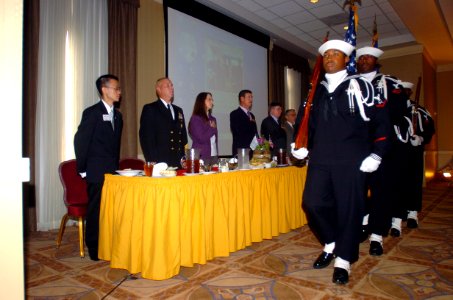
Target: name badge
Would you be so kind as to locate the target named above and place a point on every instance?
(107, 117)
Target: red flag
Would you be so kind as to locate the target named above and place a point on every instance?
(301, 140)
(374, 40)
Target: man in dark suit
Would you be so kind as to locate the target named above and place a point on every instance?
(97, 150)
(242, 122)
(288, 126)
(163, 133)
(271, 128)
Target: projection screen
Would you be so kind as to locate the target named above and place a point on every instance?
(204, 58)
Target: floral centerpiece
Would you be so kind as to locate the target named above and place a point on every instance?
(263, 145)
(262, 152)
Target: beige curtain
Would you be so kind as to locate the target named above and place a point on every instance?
(282, 58)
(73, 52)
(123, 63)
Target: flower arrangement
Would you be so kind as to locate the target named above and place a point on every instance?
(262, 153)
(263, 144)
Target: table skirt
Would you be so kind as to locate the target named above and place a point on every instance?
(156, 225)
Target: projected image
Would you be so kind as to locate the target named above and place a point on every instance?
(188, 50)
(224, 67)
(189, 64)
(204, 58)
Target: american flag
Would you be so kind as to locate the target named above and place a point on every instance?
(351, 37)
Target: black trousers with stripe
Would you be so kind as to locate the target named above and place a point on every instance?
(334, 202)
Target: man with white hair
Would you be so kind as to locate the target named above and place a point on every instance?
(421, 131)
(385, 185)
(347, 138)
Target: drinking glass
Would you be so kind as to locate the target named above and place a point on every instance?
(192, 160)
(281, 157)
(148, 168)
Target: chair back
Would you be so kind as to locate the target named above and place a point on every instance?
(131, 163)
(75, 187)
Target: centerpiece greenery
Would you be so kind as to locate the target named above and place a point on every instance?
(263, 145)
(262, 153)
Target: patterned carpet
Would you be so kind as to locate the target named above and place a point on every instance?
(418, 265)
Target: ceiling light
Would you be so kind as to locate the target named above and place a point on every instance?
(314, 1)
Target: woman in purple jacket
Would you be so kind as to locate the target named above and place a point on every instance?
(203, 128)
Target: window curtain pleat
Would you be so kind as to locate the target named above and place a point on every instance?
(72, 55)
(123, 63)
(282, 58)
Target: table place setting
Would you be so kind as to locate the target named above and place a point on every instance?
(129, 172)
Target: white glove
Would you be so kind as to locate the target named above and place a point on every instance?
(416, 140)
(299, 153)
(370, 164)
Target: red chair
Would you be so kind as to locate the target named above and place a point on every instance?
(131, 163)
(75, 198)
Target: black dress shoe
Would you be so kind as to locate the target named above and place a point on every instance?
(93, 254)
(340, 276)
(364, 233)
(395, 232)
(323, 260)
(376, 248)
(412, 223)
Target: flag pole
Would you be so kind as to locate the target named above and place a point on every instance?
(301, 140)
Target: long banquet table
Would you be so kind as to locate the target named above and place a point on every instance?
(156, 225)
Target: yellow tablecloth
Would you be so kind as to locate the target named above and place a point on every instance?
(156, 225)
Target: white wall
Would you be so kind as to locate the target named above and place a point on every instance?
(11, 228)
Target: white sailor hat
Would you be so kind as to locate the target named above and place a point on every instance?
(407, 85)
(376, 52)
(343, 46)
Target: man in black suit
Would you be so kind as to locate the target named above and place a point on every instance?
(242, 122)
(163, 133)
(288, 126)
(271, 128)
(97, 150)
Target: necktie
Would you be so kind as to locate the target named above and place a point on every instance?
(249, 114)
(112, 119)
(169, 111)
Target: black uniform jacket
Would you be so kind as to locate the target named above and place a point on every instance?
(162, 139)
(97, 144)
(338, 133)
(390, 91)
(270, 130)
(422, 122)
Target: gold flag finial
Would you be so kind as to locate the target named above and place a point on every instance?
(351, 3)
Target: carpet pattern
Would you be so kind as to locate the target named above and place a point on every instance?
(417, 265)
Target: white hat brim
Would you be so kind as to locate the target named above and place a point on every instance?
(376, 52)
(343, 46)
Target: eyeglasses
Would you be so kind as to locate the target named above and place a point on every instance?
(118, 89)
